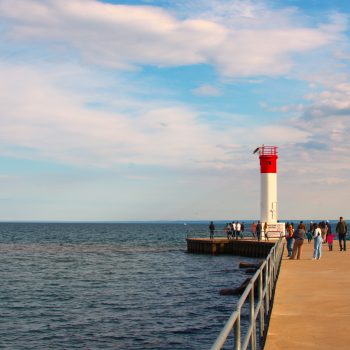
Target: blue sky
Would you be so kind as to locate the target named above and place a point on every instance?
(150, 110)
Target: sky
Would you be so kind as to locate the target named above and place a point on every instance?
(151, 110)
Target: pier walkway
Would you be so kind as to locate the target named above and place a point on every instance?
(311, 309)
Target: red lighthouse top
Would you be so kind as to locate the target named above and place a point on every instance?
(268, 159)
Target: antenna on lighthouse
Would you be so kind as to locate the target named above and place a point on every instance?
(268, 191)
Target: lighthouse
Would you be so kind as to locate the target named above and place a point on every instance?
(268, 192)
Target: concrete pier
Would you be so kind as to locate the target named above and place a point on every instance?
(222, 245)
(311, 308)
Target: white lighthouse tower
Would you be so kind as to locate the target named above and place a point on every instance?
(268, 192)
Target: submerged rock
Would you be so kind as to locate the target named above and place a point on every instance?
(235, 291)
(245, 265)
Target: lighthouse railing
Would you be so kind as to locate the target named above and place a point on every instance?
(263, 284)
(268, 150)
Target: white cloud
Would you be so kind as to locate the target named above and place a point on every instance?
(326, 119)
(42, 121)
(206, 90)
(338, 98)
(240, 43)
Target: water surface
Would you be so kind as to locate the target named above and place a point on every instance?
(111, 286)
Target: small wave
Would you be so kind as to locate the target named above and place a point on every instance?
(191, 330)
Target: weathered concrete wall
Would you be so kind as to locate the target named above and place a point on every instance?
(249, 248)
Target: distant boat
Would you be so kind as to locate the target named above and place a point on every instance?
(185, 224)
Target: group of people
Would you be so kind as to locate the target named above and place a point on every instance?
(234, 230)
(320, 233)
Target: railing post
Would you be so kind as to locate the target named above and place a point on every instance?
(271, 279)
(267, 287)
(238, 332)
(275, 260)
(252, 320)
(273, 266)
(261, 301)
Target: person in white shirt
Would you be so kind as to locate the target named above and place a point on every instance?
(238, 229)
(233, 229)
(317, 242)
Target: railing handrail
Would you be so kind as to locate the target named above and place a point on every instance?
(262, 308)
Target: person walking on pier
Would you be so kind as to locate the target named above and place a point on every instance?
(302, 225)
(258, 231)
(289, 238)
(342, 230)
(323, 230)
(311, 227)
(211, 229)
(310, 233)
(299, 237)
(329, 230)
(330, 238)
(317, 242)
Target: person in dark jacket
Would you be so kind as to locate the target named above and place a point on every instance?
(211, 229)
(342, 230)
(299, 236)
(258, 230)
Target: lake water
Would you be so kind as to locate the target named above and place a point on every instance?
(111, 286)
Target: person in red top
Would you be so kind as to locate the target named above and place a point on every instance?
(253, 229)
(330, 237)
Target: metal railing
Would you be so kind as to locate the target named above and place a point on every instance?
(267, 150)
(263, 282)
